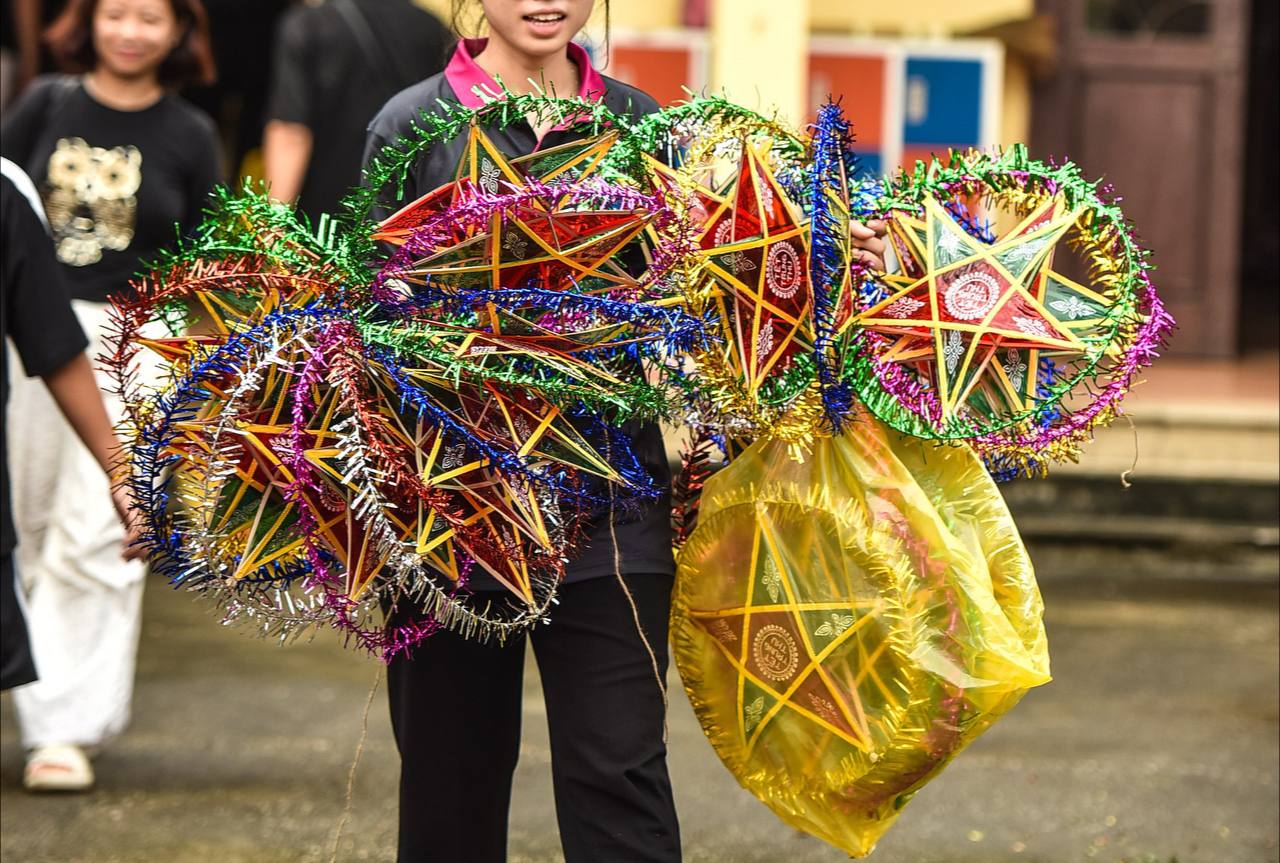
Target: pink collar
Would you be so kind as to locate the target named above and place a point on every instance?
(463, 73)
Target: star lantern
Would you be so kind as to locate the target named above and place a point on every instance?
(973, 319)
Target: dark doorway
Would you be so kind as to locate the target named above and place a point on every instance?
(1260, 228)
(1150, 95)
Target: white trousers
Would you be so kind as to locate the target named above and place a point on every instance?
(84, 603)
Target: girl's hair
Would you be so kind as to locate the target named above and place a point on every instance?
(70, 38)
(465, 17)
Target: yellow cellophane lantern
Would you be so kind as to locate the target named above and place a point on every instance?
(846, 624)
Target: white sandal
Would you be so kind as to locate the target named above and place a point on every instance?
(57, 768)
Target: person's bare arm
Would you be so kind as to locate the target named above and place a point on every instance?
(286, 152)
(75, 391)
(26, 25)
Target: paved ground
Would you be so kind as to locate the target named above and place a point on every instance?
(1157, 739)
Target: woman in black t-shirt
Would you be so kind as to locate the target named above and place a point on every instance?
(121, 164)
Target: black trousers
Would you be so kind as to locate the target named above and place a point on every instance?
(455, 711)
(16, 664)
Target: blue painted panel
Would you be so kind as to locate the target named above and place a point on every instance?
(942, 101)
(870, 165)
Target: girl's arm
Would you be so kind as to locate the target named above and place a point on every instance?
(26, 23)
(75, 391)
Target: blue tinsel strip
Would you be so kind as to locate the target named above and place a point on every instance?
(832, 153)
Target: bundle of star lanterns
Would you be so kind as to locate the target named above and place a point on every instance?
(327, 423)
(983, 335)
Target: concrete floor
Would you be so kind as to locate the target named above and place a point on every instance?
(1157, 740)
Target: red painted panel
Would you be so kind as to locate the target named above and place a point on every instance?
(661, 72)
(924, 152)
(861, 81)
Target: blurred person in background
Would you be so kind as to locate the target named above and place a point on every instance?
(119, 161)
(22, 57)
(242, 33)
(336, 64)
(37, 318)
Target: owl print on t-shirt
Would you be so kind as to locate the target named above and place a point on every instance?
(90, 197)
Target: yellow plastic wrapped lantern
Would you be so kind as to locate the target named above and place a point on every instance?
(845, 625)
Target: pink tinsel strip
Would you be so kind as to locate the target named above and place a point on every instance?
(304, 481)
(386, 643)
(1142, 352)
(475, 209)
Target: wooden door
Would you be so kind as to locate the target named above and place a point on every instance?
(1149, 94)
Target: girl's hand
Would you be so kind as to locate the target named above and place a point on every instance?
(868, 244)
(132, 521)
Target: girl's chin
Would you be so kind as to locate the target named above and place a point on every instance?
(540, 47)
(129, 67)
